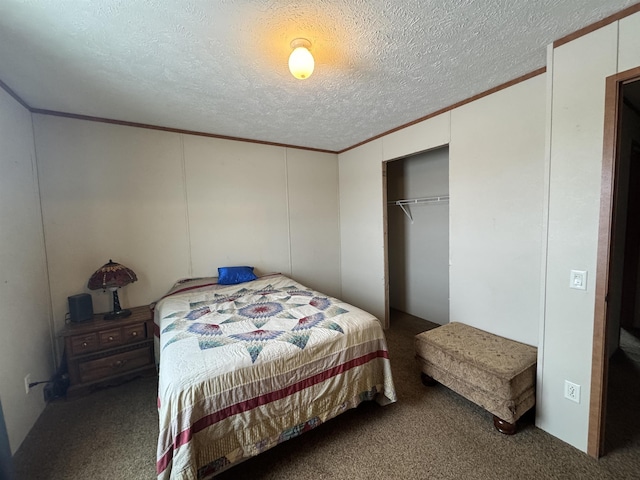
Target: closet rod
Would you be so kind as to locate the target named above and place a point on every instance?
(417, 201)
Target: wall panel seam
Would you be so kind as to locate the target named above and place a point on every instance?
(339, 226)
(618, 46)
(51, 321)
(545, 225)
(288, 199)
(183, 165)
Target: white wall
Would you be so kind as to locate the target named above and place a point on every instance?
(169, 206)
(110, 192)
(312, 184)
(579, 70)
(422, 136)
(496, 176)
(496, 184)
(497, 187)
(629, 42)
(237, 201)
(361, 208)
(419, 250)
(272, 207)
(25, 344)
(361, 228)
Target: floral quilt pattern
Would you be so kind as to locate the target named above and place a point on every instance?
(259, 316)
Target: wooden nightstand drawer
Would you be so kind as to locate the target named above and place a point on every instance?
(112, 365)
(84, 343)
(110, 338)
(103, 352)
(134, 333)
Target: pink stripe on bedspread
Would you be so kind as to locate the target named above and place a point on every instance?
(208, 420)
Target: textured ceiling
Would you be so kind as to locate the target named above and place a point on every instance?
(220, 67)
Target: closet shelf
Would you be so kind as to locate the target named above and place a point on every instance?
(403, 204)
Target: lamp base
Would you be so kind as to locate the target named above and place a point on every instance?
(115, 315)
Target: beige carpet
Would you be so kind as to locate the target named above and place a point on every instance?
(430, 433)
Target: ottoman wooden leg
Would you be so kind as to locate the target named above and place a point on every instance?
(427, 380)
(504, 427)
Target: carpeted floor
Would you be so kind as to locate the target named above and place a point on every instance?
(430, 433)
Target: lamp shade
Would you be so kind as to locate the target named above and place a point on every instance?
(111, 275)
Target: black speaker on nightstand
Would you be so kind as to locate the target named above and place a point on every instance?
(80, 307)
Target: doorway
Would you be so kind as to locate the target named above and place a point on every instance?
(417, 235)
(617, 305)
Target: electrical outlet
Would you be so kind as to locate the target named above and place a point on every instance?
(572, 391)
(27, 381)
(578, 279)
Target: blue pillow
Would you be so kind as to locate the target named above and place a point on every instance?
(233, 275)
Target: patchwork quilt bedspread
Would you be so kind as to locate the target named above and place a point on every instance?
(245, 367)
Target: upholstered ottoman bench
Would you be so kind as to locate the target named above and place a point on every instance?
(494, 372)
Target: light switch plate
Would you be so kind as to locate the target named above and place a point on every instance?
(578, 279)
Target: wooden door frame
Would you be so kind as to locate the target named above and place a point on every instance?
(385, 228)
(600, 360)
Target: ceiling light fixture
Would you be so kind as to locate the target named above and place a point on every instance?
(301, 61)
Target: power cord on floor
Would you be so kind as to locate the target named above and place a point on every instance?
(33, 384)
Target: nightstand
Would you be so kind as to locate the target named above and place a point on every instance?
(107, 352)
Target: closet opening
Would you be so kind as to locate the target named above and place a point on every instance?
(417, 237)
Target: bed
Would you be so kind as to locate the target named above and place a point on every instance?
(245, 367)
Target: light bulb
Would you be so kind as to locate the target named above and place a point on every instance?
(301, 61)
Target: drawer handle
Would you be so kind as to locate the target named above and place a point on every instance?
(118, 364)
(85, 344)
(134, 334)
(110, 338)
